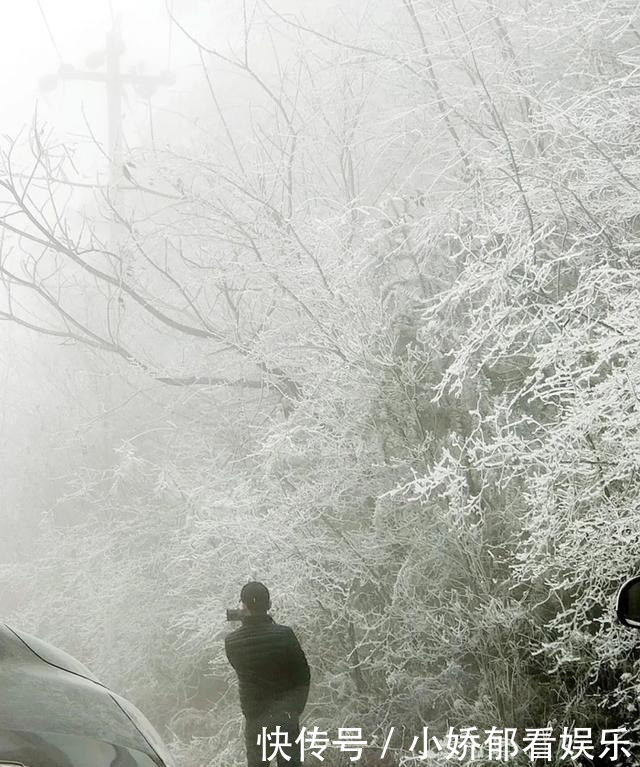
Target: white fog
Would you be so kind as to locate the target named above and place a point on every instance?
(324, 314)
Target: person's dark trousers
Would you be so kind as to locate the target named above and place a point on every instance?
(253, 729)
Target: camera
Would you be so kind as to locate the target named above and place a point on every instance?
(235, 615)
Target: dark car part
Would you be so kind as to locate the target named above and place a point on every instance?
(628, 603)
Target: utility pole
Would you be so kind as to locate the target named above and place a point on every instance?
(115, 80)
(114, 48)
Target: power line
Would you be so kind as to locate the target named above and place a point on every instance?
(46, 23)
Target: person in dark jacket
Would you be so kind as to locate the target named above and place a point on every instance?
(273, 677)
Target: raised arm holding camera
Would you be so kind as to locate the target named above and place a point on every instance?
(273, 674)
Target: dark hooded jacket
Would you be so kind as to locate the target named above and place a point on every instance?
(273, 673)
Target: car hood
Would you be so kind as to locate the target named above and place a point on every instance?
(39, 698)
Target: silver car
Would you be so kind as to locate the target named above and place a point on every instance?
(55, 713)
